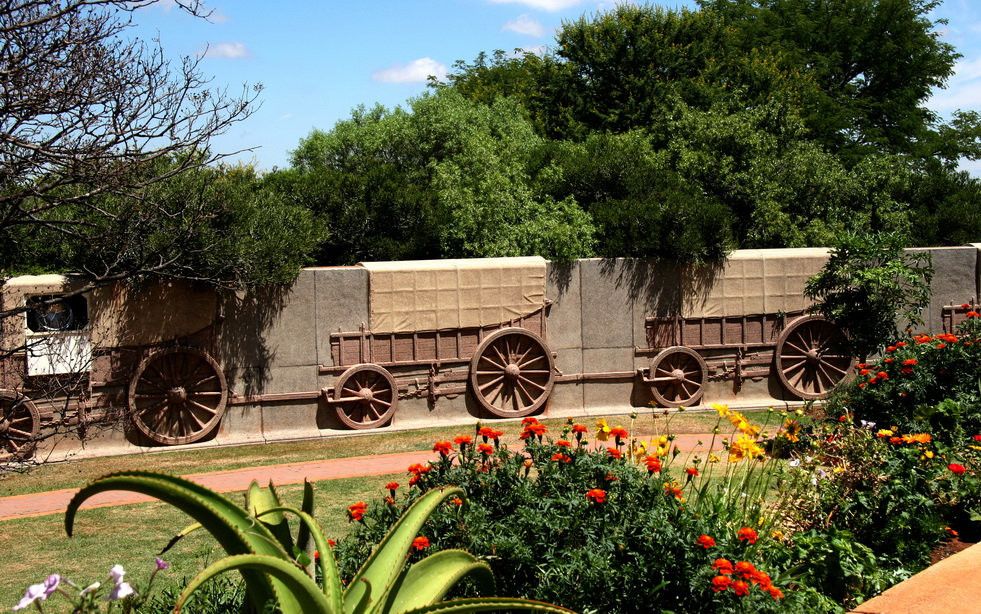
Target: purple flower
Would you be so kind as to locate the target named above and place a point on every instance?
(116, 572)
(120, 591)
(51, 584)
(34, 592)
(162, 564)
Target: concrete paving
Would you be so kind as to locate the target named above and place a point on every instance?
(950, 586)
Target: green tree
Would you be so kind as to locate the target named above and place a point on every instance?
(452, 178)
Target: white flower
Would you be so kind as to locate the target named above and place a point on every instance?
(116, 573)
(90, 588)
(120, 591)
(34, 592)
(794, 463)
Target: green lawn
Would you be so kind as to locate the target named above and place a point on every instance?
(132, 535)
(74, 474)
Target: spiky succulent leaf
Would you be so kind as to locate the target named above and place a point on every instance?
(234, 529)
(303, 541)
(258, 501)
(385, 563)
(180, 535)
(308, 599)
(489, 604)
(428, 581)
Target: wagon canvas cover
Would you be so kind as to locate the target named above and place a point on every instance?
(445, 294)
(758, 281)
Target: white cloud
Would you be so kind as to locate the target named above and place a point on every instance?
(542, 5)
(416, 71)
(231, 51)
(525, 25)
(963, 90)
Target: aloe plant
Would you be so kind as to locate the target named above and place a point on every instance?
(276, 568)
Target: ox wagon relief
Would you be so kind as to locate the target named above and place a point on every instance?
(476, 329)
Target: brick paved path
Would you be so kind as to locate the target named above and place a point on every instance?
(55, 501)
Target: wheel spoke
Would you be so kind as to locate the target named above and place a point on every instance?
(528, 395)
(532, 361)
(500, 367)
(484, 386)
(528, 381)
(794, 367)
(795, 347)
(23, 434)
(828, 364)
(203, 407)
(693, 382)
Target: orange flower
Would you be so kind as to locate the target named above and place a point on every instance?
(889, 360)
(619, 433)
(720, 583)
(420, 543)
(747, 534)
(356, 511)
(463, 440)
(579, 428)
(596, 495)
(705, 541)
(529, 420)
(392, 486)
(882, 375)
(562, 443)
(443, 447)
(692, 471)
(901, 344)
(740, 588)
(774, 592)
(457, 501)
(972, 314)
(910, 362)
(653, 464)
(614, 453)
(485, 448)
(745, 569)
(673, 489)
(561, 458)
(891, 349)
(418, 469)
(723, 566)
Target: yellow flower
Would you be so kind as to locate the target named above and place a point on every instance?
(838, 469)
(791, 430)
(917, 438)
(777, 535)
(714, 458)
(603, 432)
(722, 409)
(885, 433)
(744, 447)
(742, 424)
(928, 454)
(640, 449)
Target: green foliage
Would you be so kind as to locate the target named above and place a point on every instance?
(212, 224)
(259, 544)
(870, 287)
(452, 178)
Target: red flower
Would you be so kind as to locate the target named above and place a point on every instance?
(562, 443)
(331, 543)
(972, 314)
(889, 360)
(485, 448)
(529, 420)
(864, 372)
(418, 469)
(720, 583)
(842, 418)
(705, 541)
(762, 578)
(443, 447)
(740, 588)
(692, 471)
(774, 592)
(653, 464)
(906, 370)
(941, 346)
(747, 534)
(596, 495)
(420, 543)
(723, 566)
(674, 491)
(561, 458)
(390, 500)
(910, 362)
(535, 429)
(413, 480)
(613, 452)
(882, 375)
(901, 344)
(965, 305)
(745, 569)
(392, 486)
(956, 469)
(619, 433)
(356, 511)
(579, 428)
(457, 501)
(463, 440)
(895, 440)
(977, 438)
(891, 349)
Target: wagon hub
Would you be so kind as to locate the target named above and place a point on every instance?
(367, 396)
(678, 374)
(813, 356)
(177, 395)
(512, 371)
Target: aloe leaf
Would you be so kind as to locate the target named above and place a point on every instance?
(258, 501)
(385, 564)
(303, 541)
(428, 581)
(489, 604)
(229, 524)
(307, 595)
(328, 566)
(181, 535)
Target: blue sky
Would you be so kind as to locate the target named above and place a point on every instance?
(319, 59)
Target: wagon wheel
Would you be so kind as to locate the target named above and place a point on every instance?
(20, 423)
(512, 373)
(812, 357)
(365, 396)
(177, 396)
(678, 377)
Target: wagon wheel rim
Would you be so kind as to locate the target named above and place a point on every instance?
(812, 357)
(365, 397)
(177, 396)
(677, 377)
(20, 424)
(512, 373)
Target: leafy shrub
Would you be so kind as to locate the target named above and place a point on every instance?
(625, 527)
(870, 286)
